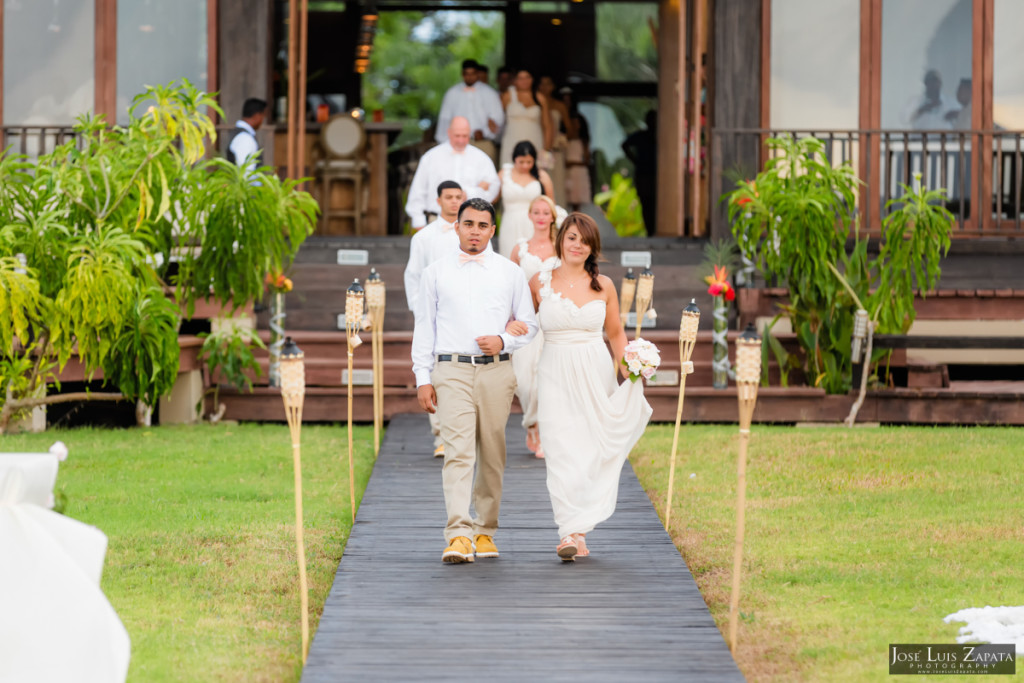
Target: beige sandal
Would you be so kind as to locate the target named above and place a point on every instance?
(567, 549)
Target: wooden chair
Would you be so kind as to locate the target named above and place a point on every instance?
(342, 141)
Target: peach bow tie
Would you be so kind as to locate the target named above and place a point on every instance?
(466, 258)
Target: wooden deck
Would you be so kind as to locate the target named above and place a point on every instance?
(631, 611)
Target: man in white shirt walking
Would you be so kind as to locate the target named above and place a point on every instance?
(460, 355)
(453, 160)
(480, 104)
(243, 147)
(428, 245)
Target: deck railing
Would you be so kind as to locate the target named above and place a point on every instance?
(886, 159)
(34, 141)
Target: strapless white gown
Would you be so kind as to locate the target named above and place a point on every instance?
(524, 361)
(515, 212)
(588, 423)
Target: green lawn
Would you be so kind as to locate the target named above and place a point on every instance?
(854, 538)
(201, 565)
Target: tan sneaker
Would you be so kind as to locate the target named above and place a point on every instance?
(439, 451)
(485, 546)
(458, 551)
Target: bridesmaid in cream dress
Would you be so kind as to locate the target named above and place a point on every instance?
(521, 182)
(526, 117)
(588, 423)
(534, 255)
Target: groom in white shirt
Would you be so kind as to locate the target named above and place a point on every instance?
(460, 355)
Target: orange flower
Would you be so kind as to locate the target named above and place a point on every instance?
(719, 284)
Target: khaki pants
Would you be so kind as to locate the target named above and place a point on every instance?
(487, 147)
(473, 403)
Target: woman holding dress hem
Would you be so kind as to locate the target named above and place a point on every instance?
(588, 422)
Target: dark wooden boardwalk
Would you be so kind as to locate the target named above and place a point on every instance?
(629, 612)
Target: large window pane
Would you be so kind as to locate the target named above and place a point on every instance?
(625, 45)
(1008, 66)
(49, 53)
(926, 64)
(158, 41)
(815, 63)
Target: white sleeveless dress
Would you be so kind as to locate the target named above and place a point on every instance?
(521, 123)
(524, 361)
(515, 212)
(588, 424)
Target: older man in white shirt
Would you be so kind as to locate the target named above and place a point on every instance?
(480, 104)
(460, 355)
(453, 160)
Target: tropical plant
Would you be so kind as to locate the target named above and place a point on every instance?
(795, 220)
(95, 235)
(621, 205)
(228, 355)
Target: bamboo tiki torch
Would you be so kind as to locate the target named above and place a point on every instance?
(375, 306)
(626, 294)
(748, 375)
(293, 391)
(644, 295)
(687, 339)
(353, 321)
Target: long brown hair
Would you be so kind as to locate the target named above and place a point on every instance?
(591, 237)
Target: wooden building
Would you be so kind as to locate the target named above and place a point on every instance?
(896, 87)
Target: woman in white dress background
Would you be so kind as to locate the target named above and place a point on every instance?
(526, 117)
(534, 254)
(588, 422)
(521, 182)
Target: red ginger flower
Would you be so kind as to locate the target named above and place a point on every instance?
(719, 284)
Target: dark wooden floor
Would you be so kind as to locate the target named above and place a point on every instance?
(629, 612)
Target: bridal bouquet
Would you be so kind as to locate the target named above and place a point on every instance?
(641, 358)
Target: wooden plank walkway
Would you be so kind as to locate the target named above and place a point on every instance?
(630, 611)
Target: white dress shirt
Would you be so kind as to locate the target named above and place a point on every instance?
(459, 302)
(244, 145)
(477, 103)
(468, 168)
(429, 244)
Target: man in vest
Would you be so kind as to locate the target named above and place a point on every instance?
(243, 148)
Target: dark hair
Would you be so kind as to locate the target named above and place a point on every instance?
(591, 237)
(448, 185)
(470, 64)
(483, 67)
(477, 204)
(504, 69)
(525, 148)
(252, 107)
(533, 84)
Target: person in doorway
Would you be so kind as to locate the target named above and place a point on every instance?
(926, 111)
(461, 358)
(243, 149)
(479, 103)
(641, 148)
(454, 160)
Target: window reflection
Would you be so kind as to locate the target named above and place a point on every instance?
(1008, 67)
(48, 61)
(624, 49)
(158, 41)
(926, 64)
(815, 63)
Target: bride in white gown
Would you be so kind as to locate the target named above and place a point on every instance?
(521, 182)
(588, 422)
(534, 254)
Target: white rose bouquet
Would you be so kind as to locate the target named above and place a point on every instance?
(641, 358)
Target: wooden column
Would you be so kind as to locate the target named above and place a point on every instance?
(869, 116)
(738, 99)
(300, 74)
(671, 134)
(106, 59)
(697, 227)
(293, 89)
(243, 52)
(981, 114)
